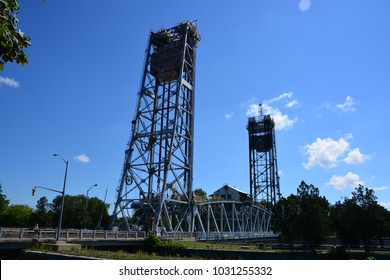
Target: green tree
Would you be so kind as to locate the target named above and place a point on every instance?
(43, 214)
(4, 202)
(366, 201)
(200, 194)
(16, 215)
(97, 213)
(78, 213)
(12, 39)
(313, 218)
(74, 215)
(360, 218)
(382, 224)
(285, 216)
(344, 220)
(304, 216)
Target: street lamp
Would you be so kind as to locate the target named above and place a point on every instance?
(63, 197)
(101, 215)
(86, 204)
(90, 189)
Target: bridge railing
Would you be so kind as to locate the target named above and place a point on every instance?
(68, 234)
(178, 236)
(233, 235)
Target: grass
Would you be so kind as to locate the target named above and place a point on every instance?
(220, 246)
(106, 254)
(123, 255)
(112, 255)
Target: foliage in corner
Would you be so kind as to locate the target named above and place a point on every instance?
(12, 39)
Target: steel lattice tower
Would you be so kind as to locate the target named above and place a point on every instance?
(156, 180)
(264, 178)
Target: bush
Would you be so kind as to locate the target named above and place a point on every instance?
(153, 244)
(337, 253)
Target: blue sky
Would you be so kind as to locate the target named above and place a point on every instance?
(320, 67)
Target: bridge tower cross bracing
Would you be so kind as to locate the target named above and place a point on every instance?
(157, 174)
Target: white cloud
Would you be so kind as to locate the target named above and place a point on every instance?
(348, 105)
(8, 82)
(304, 5)
(229, 116)
(282, 121)
(348, 136)
(355, 156)
(283, 95)
(341, 183)
(382, 188)
(385, 204)
(82, 158)
(325, 152)
(253, 110)
(292, 103)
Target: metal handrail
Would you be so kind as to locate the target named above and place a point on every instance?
(68, 234)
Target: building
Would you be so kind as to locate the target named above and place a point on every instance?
(230, 193)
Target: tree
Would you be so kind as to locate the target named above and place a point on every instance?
(366, 201)
(97, 213)
(313, 219)
(4, 202)
(382, 222)
(285, 215)
(43, 214)
(360, 218)
(74, 215)
(304, 215)
(78, 213)
(16, 215)
(344, 220)
(12, 39)
(200, 195)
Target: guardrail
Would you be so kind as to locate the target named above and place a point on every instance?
(220, 236)
(87, 234)
(68, 234)
(178, 235)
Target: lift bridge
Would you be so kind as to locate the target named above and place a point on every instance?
(155, 191)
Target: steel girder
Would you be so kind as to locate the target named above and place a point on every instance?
(231, 220)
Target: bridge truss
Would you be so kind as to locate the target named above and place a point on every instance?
(231, 220)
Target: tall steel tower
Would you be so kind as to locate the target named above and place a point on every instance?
(156, 180)
(264, 178)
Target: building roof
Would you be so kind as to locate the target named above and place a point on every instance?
(231, 187)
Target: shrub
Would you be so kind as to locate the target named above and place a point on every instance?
(153, 244)
(337, 253)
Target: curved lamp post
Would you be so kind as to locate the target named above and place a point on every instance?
(63, 197)
(90, 189)
(86, 204)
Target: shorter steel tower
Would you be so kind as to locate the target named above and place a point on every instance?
(264, 178)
